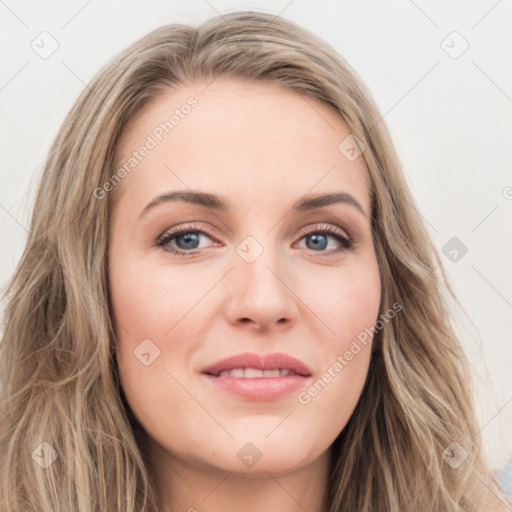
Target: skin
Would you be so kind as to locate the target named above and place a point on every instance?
(261, 147)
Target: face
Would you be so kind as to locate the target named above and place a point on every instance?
(252, 270)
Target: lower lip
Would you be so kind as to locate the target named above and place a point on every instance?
(264, 388)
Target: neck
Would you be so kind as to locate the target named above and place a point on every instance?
(196, 487)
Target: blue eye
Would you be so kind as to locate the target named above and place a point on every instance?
(320, 239)
(184, 241)
(186, 238)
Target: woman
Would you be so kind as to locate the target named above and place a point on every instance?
(227, 300)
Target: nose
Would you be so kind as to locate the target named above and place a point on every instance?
(261, 294)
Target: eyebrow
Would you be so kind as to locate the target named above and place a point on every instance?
(214, 202)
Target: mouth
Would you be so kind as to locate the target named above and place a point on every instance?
(255, 373)
(250, 366)
(256, 377)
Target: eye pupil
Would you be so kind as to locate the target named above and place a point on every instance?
(316, 243)
(189, 238)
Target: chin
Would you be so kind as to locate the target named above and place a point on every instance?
(257, 457)
(275, 465)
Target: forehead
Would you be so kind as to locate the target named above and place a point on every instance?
(256, 141)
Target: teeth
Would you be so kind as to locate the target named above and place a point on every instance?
(254, 373)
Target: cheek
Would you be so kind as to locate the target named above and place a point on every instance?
(149, 299)
(348, 307)
(159, 321)
(346, 300)
(150, 304)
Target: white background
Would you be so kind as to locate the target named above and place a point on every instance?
(450, 119)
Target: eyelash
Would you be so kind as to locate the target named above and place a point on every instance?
(324, 229)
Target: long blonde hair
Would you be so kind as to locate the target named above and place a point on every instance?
(60, 395)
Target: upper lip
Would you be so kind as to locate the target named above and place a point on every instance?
(262, 362)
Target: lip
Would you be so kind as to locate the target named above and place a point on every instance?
(259, 388)
(274, 361)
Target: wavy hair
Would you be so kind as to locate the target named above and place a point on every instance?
(60, 394)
